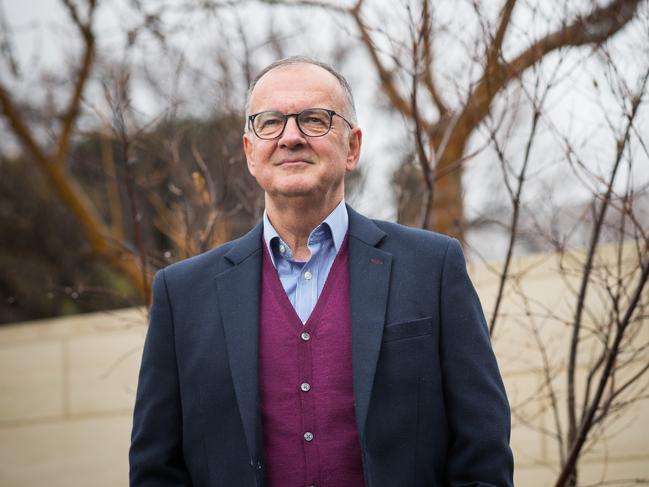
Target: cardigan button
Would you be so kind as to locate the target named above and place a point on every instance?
(308, 436)
(305, 336)
(305, 386)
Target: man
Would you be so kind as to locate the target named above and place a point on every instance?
(322, 348)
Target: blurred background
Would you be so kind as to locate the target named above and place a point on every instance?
(520, 127)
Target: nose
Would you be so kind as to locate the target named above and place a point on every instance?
(291, 137)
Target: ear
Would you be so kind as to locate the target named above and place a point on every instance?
(354, 153)
(249, 151)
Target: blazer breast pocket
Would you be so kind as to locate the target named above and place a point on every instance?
(408, 329)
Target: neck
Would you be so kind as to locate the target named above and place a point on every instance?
(294, 220)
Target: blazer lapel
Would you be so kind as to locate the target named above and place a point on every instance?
(369, 276)
(238, 294)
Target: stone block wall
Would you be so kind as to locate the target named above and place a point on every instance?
(67, 388)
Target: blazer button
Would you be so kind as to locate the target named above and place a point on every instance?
(305, 336)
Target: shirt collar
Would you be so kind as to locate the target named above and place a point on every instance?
(337, 221)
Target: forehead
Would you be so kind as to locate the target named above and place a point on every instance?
(295, 87)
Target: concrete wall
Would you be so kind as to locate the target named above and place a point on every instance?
(536, 316)
(67, 388)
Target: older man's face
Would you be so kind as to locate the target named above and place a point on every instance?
(294, 165)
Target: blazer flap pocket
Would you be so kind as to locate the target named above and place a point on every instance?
(408, 329)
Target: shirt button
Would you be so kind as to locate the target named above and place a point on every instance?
(282, 248)
(305, 386)
(308, 275)
(308, 436)
(305, 336)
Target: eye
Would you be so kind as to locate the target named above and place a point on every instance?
(314, 118)
(268, 122)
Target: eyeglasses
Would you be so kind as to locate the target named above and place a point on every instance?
(312, 122)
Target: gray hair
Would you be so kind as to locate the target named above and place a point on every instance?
(350, 109)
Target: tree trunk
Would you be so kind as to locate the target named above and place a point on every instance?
(572, 479)
(446, 202)
(447, 206)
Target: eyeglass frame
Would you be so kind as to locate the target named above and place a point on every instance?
(286, 116)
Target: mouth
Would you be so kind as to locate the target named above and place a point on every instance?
(293, 162)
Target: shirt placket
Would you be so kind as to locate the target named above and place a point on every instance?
(306, 294)
(305, 390)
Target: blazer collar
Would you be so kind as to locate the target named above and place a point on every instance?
(245, 246)
(360, 227)
(364, 229)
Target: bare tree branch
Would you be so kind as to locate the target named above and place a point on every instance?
(427, 46)
(594, 28)
(103, 243)
(588, 266)
(494, 52)
(72, 111)
(587, 421)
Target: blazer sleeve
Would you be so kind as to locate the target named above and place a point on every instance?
(477, 409)
(156, 453)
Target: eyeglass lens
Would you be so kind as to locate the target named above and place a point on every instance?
(313, 122)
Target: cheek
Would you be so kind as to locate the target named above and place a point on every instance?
(257, 155)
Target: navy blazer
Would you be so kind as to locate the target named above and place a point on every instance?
(430, 405)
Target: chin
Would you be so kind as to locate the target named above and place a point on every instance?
(296, 192)
(296, 188)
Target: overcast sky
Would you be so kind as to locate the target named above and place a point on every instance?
(42, 39)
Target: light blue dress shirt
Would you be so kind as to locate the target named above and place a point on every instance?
(303, 281)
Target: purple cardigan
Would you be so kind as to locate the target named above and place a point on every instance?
(305, 384)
